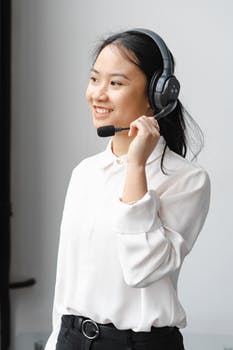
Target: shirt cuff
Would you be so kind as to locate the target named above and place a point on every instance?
(138, 217)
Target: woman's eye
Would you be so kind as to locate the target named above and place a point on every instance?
(116, 83)
(93, 79)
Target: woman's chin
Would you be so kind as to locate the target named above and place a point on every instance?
(98, 123)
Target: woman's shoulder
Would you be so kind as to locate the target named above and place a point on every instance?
(183, 169)
(175, 162)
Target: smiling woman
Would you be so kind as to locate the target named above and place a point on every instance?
(127, 224)
(117, 92)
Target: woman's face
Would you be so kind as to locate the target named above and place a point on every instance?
(117, 91)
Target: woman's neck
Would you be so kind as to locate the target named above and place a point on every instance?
(120, 143)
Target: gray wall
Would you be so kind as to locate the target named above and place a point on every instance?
(52, 131)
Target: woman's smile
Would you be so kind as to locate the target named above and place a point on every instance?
(101, 112)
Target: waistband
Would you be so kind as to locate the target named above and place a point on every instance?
(92, 330)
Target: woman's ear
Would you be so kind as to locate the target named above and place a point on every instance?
(150, 111)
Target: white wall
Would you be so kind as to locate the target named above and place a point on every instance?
(52, 132)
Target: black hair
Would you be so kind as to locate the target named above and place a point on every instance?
(147, 56)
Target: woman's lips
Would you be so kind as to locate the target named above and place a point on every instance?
(102, 112)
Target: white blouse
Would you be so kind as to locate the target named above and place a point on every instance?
(120, 263)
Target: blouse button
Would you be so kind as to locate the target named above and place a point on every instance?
(119, 161)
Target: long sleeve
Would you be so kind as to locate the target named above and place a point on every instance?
(57, 303)
(157, 232)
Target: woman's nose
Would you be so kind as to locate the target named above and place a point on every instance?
(100, 93)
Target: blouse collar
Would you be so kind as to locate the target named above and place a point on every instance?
(107, 157)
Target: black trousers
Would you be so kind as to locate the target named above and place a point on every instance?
(73, 336)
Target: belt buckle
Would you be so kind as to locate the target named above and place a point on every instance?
(96, 330)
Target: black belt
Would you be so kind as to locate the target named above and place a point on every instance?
(92, 330)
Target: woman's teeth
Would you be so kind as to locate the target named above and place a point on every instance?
(103, 110)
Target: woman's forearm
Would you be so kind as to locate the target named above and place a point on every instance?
(135, 183)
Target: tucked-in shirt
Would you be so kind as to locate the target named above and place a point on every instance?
(119, 263)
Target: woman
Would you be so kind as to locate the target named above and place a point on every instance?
(132, 213)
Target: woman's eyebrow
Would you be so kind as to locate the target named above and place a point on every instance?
(112, 74)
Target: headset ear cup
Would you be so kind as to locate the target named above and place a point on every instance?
(163, 91)
(171, 90)
(152, 91)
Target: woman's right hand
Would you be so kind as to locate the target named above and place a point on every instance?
(145, 133)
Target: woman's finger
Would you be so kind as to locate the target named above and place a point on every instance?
(144, 123)
(154, 122)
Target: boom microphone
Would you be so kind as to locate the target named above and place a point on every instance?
(110, 130)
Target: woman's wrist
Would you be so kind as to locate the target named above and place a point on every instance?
(135, 183)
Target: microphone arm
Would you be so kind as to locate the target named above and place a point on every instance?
(168, 109)
(110, 130)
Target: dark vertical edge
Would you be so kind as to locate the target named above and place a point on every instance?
(5, 194)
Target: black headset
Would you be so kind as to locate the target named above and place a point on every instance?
(164, 87)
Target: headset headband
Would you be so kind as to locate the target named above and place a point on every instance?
(163, 87)
(168, 67)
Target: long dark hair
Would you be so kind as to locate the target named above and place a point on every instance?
(148, 58)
